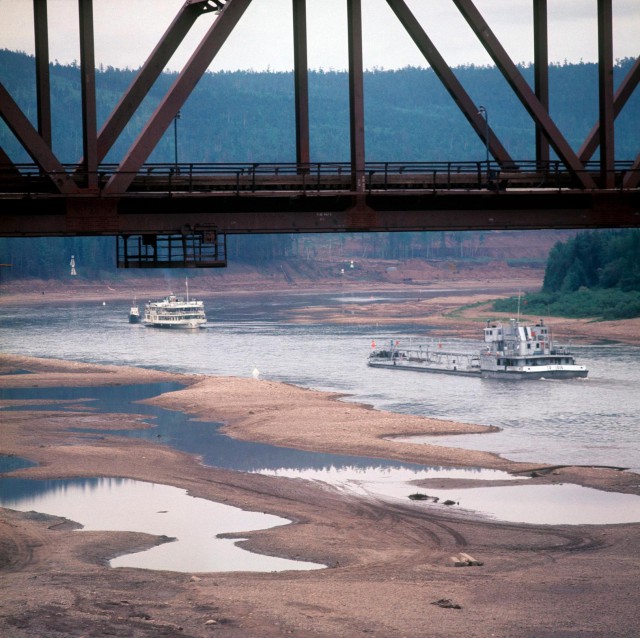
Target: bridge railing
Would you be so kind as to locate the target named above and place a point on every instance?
(314, 177)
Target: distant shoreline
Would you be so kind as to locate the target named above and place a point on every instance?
(445, 315)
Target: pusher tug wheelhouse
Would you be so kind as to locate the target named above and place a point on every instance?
(518, 351)
(512, 351)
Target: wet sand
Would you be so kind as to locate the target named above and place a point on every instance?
(388, 568)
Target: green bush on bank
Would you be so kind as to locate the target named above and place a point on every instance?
(604, 304)
(595, 274)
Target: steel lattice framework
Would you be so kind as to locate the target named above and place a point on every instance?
(134, 199)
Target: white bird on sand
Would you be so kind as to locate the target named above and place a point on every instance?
(256, 373)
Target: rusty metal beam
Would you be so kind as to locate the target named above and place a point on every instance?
(88, 91)
(301, 80)
(7, 167)
(622, 94)
(605, 85)
(33, 143)
(449, 80)
(523, 91)
(43, 88)
(356, 94)
(632, 178)
(541, 73)
(484, 210)
(149, 73)
(177, 95)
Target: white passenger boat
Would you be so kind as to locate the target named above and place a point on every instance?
(175, 312)
(517, 351)
(512, 351)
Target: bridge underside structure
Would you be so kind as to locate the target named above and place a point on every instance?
(179, 214)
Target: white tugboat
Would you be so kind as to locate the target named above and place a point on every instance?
(134, 313)
(517, 351)
(512, 351)
(175, 312)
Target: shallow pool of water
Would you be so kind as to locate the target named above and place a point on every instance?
(125, 505)
(558, 504)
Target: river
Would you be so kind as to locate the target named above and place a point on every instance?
(590, 422)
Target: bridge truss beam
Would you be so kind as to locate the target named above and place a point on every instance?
(330, 213)
(79, 202)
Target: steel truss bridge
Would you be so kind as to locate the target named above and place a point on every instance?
(179, 214)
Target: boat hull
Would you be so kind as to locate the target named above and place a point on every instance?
(433, 370)
(175, 325)
(518, 375)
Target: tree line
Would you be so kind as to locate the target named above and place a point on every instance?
(246, 116)
(49, 257)
(595, 274)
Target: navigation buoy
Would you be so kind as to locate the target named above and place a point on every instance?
(255, 373)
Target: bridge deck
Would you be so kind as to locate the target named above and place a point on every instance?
(211, 178)
(274, 198)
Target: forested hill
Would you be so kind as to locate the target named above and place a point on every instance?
(594, 274)
(247, 116)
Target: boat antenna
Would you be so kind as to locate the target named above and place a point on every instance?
(518, 315)
(186, 283)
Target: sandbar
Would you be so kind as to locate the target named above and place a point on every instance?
(389, 571)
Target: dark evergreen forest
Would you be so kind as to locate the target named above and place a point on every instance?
(245, 116)
(595, 274)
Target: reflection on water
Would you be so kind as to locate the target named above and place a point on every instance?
(561, 504)
(12, 463)
(181, 432)
(135, 506)
(360, 475)
(110, 504)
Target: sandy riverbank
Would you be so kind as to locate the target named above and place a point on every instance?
(462, 310)
(387, 563)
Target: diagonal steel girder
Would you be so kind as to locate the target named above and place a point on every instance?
(33, 142)
(449, 80)
(523, 91)
(177, 95)
(632, 178)
(622, 94)
(149, 73)
(7, 167)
